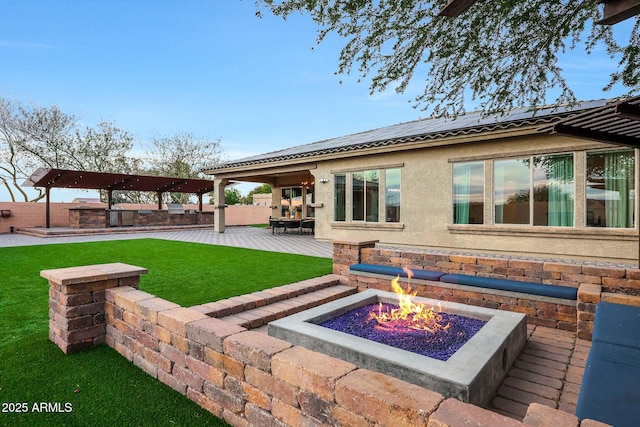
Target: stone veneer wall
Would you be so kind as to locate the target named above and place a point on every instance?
(594, 282)
(99, 218)
(245, 377)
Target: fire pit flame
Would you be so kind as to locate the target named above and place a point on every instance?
(408, 315)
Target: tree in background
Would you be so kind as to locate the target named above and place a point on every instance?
(33, 137)
(261, 189)
(232, 196)
(13, 162)
(182, 155)
(502, 53)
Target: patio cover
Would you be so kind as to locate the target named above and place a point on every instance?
(616, 123)
(63, 178)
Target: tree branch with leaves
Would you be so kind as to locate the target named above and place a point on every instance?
(500, 53)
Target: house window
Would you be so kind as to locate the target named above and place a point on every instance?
(468, 193)
(392, 195)
(535, 191)
(339, 197)
(553, 190)
(362, 194)
(365, 195)
(611, 189)
(511, 189)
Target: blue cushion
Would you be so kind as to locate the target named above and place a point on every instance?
(397, 271)
(609, 392)
(617, 324)
(512, 285)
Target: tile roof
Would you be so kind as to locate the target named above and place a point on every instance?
(423, 129)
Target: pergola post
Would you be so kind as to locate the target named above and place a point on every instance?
(109, 198)
(159, 196)
(48, 208)
(276, 201)
(200, 202)
(304, 214)
(218, 208)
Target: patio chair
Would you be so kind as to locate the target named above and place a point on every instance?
(308, 224)
(275, 224)
(291, 224)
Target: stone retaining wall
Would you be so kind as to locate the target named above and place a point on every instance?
(616, 283)
(245, 377)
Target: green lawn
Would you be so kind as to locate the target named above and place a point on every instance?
(100, 386)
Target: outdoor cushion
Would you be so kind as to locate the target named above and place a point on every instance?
(617, 324)
(512, 285)
(397, 271)
(609, 392)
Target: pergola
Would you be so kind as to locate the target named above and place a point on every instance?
(616, 123)
(614, 10)
(63, 178)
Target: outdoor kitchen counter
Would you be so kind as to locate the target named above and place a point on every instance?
(90, 217)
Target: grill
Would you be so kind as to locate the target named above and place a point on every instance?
(175, 209)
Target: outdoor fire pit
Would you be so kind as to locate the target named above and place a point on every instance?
(470, 371)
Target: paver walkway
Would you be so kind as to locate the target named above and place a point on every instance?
(243, 237)
(548, 371)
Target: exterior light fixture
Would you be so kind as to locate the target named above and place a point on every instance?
(324, 180)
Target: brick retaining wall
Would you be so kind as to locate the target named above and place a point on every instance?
(615, 283)
(245, 377)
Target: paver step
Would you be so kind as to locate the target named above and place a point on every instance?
(229, 306)
(260, 316)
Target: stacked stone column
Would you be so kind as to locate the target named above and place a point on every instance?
(347, 253)
(77, 302)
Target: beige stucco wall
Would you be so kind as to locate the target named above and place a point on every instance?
(426, 205)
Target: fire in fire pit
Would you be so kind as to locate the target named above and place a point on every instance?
(439, 343)
(408, 315)
(417, 328)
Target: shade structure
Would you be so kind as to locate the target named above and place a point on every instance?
(616, 123)
(64, 178)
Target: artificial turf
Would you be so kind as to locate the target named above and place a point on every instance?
(99, 386)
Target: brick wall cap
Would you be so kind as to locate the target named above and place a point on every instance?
(355, 242)
(542, 415)
(92, 273)
(218, 328)
(319, 363)
(259, 341)
(176, 319)
(454, 412)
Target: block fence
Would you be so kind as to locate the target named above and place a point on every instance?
(594, 282)
(245, 377)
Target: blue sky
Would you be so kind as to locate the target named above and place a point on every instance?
(213, 68)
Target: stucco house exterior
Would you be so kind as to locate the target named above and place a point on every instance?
(507, 185)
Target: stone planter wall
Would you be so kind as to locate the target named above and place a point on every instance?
(614, 283)
(245, 377)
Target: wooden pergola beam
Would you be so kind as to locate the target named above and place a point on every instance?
(619, 10)
(629, 111)
(456, 7)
